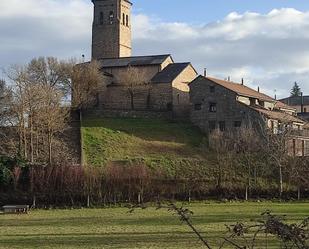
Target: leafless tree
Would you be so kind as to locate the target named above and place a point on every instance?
(86, 79)
(276, 147)
(37, 106)
(222, 146)
(133, 78)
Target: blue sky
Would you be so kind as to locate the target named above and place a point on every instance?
(201, 11)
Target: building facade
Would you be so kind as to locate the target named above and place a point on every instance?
(223, 105)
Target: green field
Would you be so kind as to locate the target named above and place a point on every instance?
(152, 141)
(116, 228)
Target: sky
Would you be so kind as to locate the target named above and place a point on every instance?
(266, 42)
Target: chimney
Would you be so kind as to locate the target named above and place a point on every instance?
(205, 72)
(83, 57)
(302, 102)
(275, 96)
(229, 78)
(242, 81)
(258, 89)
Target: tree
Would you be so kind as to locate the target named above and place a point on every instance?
(50, 71)
(275, 146)
(296, 90)
(37, 105)
(133, 78)
(86, 79)
(51, 116)
(222, 146)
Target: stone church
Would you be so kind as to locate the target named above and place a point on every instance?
(166, 83)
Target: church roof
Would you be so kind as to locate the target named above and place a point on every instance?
(169, 73)
(134, 61)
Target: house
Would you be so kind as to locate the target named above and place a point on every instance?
(300, 103)
(226, 105)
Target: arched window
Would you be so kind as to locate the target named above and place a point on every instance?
(111, 17)
(127, 20)
(123, 19)
(101, 18)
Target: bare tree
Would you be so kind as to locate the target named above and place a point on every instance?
(37, 105)
(86, 79)
(51, 116)
(49, 71)
(275, 146)
(222, 146)
(133, 78)
(247, 147)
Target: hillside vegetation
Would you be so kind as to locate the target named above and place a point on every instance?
(155, 142)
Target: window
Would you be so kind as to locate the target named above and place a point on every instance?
(212, 89)
(237, 124)
(111, 17)
(101, 18)
(123, 19)
(222, 125)
(198, 107)
(212, 125)
(262, 103)
(127, 20)
(212, 107)
(252, 101)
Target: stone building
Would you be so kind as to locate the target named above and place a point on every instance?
(165, 87)
(300, 103)
(225, 105)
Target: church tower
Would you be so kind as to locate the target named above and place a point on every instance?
(111, 30)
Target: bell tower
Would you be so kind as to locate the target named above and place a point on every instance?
(111, 29)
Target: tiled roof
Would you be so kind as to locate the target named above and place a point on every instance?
(134, 61)
(277, 115)
(241, 89)
(248, 92)
(296, 101)
(169, 73)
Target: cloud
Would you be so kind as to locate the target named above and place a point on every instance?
(269, 50)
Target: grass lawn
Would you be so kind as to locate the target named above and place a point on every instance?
(115, 228)
(153, 141)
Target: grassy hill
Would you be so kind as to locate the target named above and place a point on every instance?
(155, 142)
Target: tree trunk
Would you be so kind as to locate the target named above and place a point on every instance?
(298, 193)
(88, 201)
(31, 139)
(246, 194)
(34, 202)
(281, 180)
(132, 99)
(49, 148)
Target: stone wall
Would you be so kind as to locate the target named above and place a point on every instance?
(156, 97)
(181, 89)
